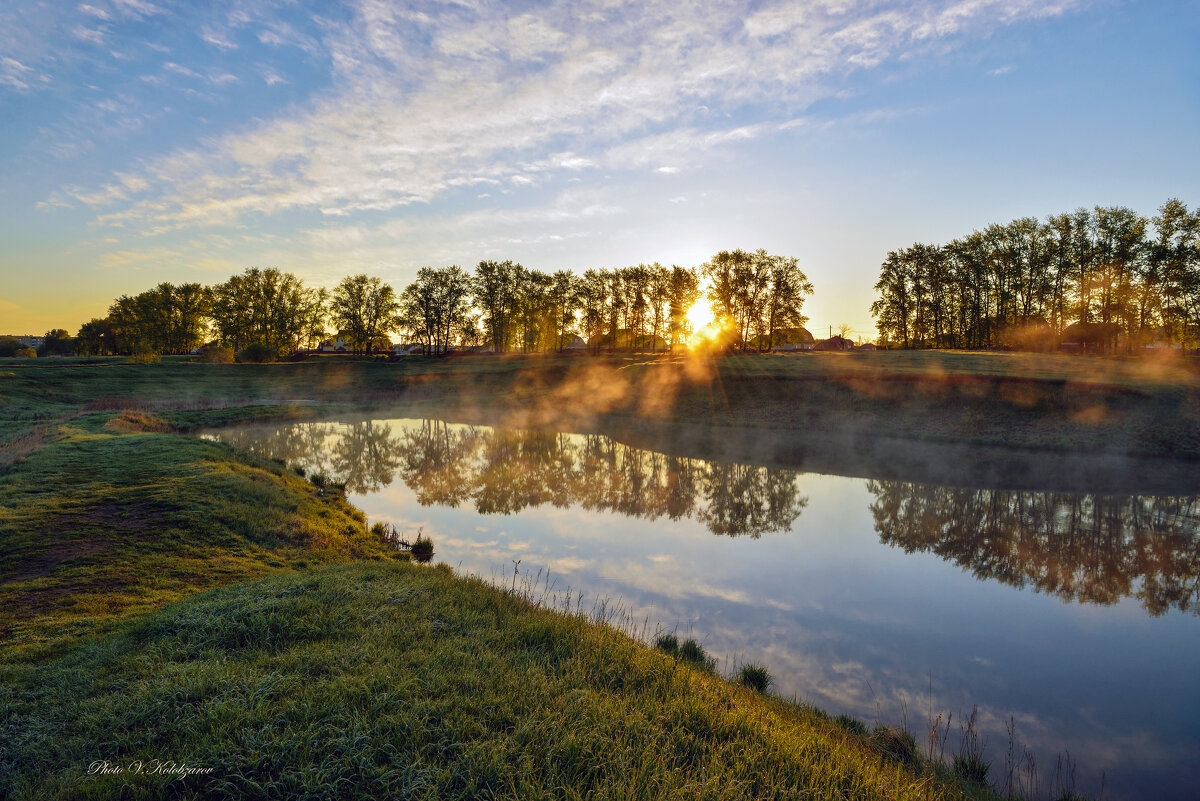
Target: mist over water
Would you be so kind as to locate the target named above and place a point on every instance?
(1073, 616)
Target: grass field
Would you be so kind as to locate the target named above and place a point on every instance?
(164, 597)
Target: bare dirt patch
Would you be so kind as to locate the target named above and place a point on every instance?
(46, 561)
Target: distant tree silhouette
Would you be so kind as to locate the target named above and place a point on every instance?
(1022, 283)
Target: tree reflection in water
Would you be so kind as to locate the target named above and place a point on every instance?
(504, 471)
(361, 455)
(1090, 548)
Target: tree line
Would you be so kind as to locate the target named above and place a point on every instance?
(757, 298)
(1025, 282)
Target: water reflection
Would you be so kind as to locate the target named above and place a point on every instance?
(1090, 548)
(361, 455)
(1095, 549)
(841, 621)
(504, 471)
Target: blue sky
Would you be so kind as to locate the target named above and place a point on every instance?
(145, 141)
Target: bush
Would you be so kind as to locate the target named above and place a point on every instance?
(26, 353)
(216, 355)
(9, 346)
(689, 651)
(257, 353)
(852, 725)
(895, 744)
(668, 644)
(756, 677)
(971, 767)
(422, 549)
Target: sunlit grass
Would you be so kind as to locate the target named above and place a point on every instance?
(102, 521)
(397, 681)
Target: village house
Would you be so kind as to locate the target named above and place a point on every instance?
(834, 343)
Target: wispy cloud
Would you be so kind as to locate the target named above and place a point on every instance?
(217, 39)
(93, 11)
(15, 74)
(125, 257)
(137, 8)
(85, 34)
(428, 97)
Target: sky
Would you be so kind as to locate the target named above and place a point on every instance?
(144, 141)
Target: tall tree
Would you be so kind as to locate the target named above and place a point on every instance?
(683, 293)
(435, 308)
(1174, 256)
(364, 309)
(893, 309)
(268, 307)
(565, 300)
(593, 305)
(495, 289)
(659, 296)
(787, 289)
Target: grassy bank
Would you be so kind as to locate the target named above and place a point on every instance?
(391, 681)
(368, 678)
(1022, 401)
(108, 516)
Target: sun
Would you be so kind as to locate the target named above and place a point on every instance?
(700, 315)
(706, 329)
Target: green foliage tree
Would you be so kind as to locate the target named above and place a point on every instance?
(593, 306)
(658, 295)
(364, 309)
(96, 338)
(57, 342)
(787, 289)
(268, 307)
(535, 313)
(893, 309)
(495, 290)
(435, 309)
(1107, 265)
(1173, 259)
(564, 297)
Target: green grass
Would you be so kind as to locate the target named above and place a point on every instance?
(397, 681)
(103, 520)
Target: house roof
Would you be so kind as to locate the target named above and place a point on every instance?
(835, 342)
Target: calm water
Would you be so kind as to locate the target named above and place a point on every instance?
(1073, 617)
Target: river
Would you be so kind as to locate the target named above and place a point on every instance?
(1069, 619)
